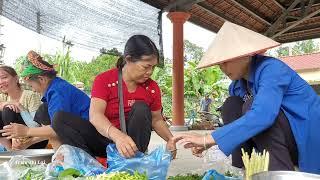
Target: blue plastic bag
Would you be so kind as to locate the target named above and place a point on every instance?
(213, 174)
(2, 148)
(155, 164)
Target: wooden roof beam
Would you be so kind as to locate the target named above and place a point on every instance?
(254, 13)
(315, 4)
(282, 17)
(213, 12)
(181, 5)
(195, 20)
(297, 38)
(296, 23)
(279, 5)
(308, 9)
(304, 28)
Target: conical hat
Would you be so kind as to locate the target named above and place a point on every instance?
(234, 41)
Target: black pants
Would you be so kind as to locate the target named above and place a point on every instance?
(278, 139)
(8, 116)
(42, 115)
(74, 131)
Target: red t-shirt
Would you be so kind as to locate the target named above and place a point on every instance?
(105, 86)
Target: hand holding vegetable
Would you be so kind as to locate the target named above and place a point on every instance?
(194, 140)
(197, 151)
(125, 145)
(21, 143)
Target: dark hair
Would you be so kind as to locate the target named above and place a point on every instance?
(10, 71)
(48, 74)
(136, 47)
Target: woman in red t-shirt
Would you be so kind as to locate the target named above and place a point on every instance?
(142, 105)
(141, 97)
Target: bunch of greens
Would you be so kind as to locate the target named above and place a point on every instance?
(32, 175)
(119, 176)
(230, 174)
(29, 171)
(186, 177)
(69, 173)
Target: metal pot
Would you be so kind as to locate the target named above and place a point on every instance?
(36, 155)
(284, 175)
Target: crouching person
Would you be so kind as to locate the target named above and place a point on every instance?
(62, 101)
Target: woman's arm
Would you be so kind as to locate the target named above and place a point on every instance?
(43, 132)
(163, 131)
(160, 126)
(124, 143)
(99, 120)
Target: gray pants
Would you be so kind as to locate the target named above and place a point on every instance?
(278, 139)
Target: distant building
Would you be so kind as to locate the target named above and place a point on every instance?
(307, 66)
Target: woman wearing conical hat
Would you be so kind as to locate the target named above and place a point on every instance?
(270, 106)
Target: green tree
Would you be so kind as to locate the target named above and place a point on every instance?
(282, 51)
(192, 51)
(86, 71)
(196, 82)
(73, 70)
(305, 47)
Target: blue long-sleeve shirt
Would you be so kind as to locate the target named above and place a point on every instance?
(276, 86)
(62, 96)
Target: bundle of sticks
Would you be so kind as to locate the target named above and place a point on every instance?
(255, 163)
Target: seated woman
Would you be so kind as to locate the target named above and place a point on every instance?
(18, 106)
(142, 106)
(63, 100)
(270, 106)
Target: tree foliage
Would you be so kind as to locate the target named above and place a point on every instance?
(75, 71)
(305, 47)
(196, 82)
(282, 51)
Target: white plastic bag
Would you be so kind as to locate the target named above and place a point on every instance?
(72, 157)
(215, 159)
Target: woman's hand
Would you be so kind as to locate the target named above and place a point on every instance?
(15, 130)
(125, 145)
(198, 143)
(14, 106)
(197, 151)
(21, 144)
(171, 146)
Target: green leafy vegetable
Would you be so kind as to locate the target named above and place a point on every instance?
(186, 177)
(69, 172)
(119, 176)
(230, 174)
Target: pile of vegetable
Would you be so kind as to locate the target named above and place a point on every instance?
(32, 174)
(255, 163)
(119, 176)
(230, 174)
(69, 173)
(28, 171)
(186, 177)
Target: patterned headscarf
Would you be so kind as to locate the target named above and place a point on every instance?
(33, 64)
